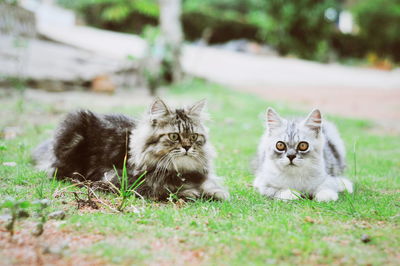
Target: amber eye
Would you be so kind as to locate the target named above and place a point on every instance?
(280, 146)
(193, 137)
(173, 136)
(303, 146)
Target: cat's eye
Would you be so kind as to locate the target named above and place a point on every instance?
(193, 137)
(303, 146)
(173, 136)
(280, 146)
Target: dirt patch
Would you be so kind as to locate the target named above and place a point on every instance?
(180, 255)
(56, 246)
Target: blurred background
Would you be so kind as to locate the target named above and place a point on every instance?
(339, 55)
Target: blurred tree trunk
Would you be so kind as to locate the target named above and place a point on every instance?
(171, 33)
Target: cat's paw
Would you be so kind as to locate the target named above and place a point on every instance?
(287, 194)
(220, 194)
(212, 189)
(345, 184)
(190, 194)
(326, 195)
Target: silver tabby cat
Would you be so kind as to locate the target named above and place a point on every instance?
(297, 157)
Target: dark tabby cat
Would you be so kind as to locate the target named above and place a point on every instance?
(171, 146)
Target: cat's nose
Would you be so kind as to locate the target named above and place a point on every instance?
(186, 147)
(291, 156)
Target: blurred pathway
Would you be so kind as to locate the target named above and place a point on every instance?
(336, 89)
(349, 91)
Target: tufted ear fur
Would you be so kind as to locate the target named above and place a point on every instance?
(159, 108)
(197, 108)
(313, 121)
(273, 119)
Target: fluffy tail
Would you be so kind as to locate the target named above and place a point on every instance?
(43, 157)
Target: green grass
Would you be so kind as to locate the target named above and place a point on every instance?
(247, 229)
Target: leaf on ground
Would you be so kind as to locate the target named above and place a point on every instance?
(308, 219)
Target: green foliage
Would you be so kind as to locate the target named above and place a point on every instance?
(41, 213)
(292, 27)
(379, 23)
(156, 66)
(126, 190)
(11, 2)
(295, 27)
(300, 28)
(115, 10)
(18, 210)
(12, 204)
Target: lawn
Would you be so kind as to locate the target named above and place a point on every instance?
(248, 229)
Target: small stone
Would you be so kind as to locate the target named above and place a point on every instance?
(46, 250)
(11, 132)
(55, 250)
(10, 164)
(6, 218)
(365, 238)
(57, 215)
(43, 202)
(38, 230)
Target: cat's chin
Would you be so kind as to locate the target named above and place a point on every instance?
(186, 163)
(287, 165)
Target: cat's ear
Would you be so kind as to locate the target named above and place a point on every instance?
(159, 108)
(313, 121)
(197, 108)
(273, 119)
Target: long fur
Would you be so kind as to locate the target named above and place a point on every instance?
(315, 172)
(88, 146)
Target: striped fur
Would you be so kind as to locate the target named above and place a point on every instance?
(88, 146)
(169, 166)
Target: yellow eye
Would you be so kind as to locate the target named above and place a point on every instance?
(280, 146)
(194, 137)
(173, 136)
(303, 146)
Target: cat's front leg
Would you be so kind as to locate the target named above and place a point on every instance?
(329, 189)
(344, 184)
(276, 193)
(326, 195)
(213, 189)
(286, 194)
(191, 193)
